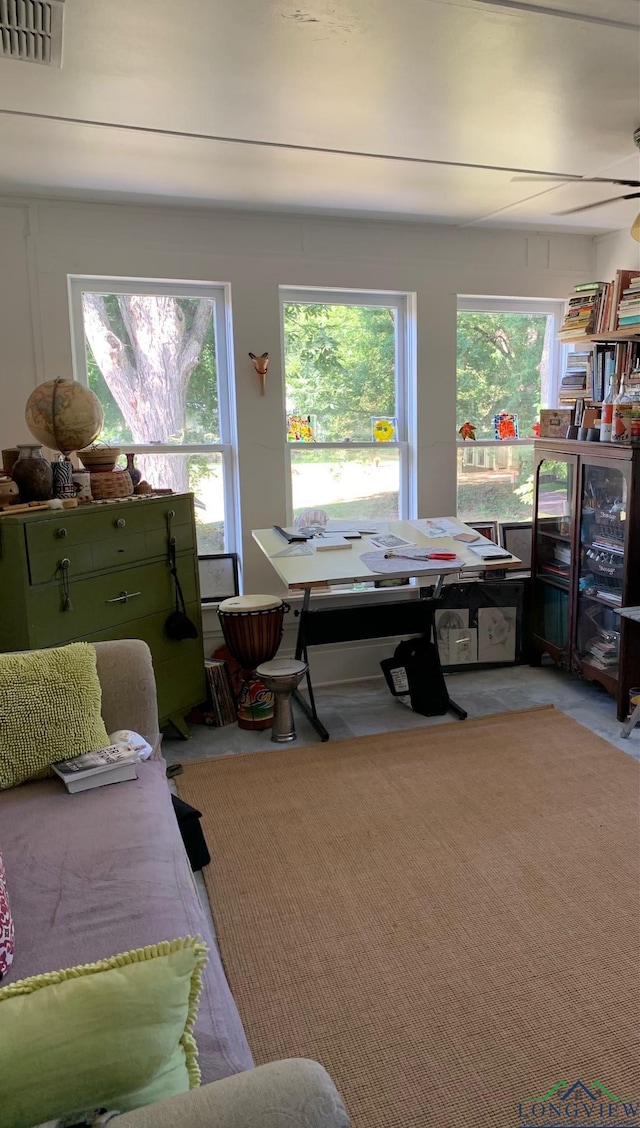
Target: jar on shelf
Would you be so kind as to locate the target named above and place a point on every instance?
(32, 473)
(634, 394)
(622, 415)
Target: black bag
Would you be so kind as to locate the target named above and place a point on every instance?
(178, 626)
(191, 833)
(415, 670)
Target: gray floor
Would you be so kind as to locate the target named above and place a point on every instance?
(363, 707)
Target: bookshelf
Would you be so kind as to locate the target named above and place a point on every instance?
(602, 324)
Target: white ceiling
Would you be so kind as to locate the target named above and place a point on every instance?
(236, 102)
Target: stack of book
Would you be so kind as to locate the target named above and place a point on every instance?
(584, 311)
(608, 313)
(221, 704)
(574, 382)
(602, 650)
(559, 564)
(113, 764)
(629, 306)
(598, 308)
(608, 544)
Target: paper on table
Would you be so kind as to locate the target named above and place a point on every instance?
(379, 562)
(438, 527)
(390, 540)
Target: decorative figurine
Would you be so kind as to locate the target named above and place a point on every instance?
(505, 425)
(467, 431)
(383, 428)
(261, 363)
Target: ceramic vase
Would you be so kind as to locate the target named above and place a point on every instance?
(63, 478)
(135, 474)
(8, 491)
(9, 459)
(32, 474)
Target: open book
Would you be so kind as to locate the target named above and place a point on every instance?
(112, 764)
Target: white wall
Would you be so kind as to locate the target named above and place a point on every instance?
(618, 251)
(41, 242)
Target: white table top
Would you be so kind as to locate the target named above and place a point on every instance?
(345, 566)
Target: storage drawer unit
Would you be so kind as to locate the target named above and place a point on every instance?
(116, 571)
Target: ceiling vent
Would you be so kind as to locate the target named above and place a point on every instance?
(31, 31)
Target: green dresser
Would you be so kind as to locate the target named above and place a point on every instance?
(101, 572)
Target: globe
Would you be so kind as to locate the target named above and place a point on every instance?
(64, 415)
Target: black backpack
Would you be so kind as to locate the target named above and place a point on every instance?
(415, 670)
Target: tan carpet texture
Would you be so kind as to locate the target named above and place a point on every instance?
(446, 918)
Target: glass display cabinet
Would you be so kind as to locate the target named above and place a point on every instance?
(586, 561)
(553, 557)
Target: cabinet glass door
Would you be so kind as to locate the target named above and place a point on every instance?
(553, 556)
(603, 527)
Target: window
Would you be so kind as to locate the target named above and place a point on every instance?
(349, 399)
(155, 354)
(508, 359)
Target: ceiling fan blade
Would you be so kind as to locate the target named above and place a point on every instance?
(599, 204)
(575, 180)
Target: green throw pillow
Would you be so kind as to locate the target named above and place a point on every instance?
(114, 1034)
(49, 709)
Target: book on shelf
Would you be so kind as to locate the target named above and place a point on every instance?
(610, 596)
(597, 308)
(583, 311)
(113, 764)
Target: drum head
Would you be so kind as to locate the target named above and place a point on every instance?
(239, 604)
(281, 668)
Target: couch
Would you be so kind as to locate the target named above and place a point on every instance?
(105, 871)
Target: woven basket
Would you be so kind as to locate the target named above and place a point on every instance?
(99, 458)
(115, 483)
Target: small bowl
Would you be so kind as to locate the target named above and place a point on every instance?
(101, 459)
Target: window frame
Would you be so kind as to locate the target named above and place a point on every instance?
(220, 294)
(404, 304)
(552, 307)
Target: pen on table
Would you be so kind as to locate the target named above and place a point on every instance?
(428, 556)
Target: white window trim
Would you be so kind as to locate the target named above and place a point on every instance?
(405, 383)
(220, 294)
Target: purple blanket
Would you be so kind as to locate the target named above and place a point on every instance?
(98, 873)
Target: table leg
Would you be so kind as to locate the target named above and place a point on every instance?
(631, 723)
(308, 707)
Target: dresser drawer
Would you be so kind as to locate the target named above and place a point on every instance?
(114, 536)
(98, 603)
(64, 528)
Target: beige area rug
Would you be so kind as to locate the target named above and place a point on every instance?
(446, 918)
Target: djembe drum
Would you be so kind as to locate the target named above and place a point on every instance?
(252, 629)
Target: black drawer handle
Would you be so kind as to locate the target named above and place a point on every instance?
(120, 523)
(124, 597)
(61, 533)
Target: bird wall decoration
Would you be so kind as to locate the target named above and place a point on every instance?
(261, 363)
